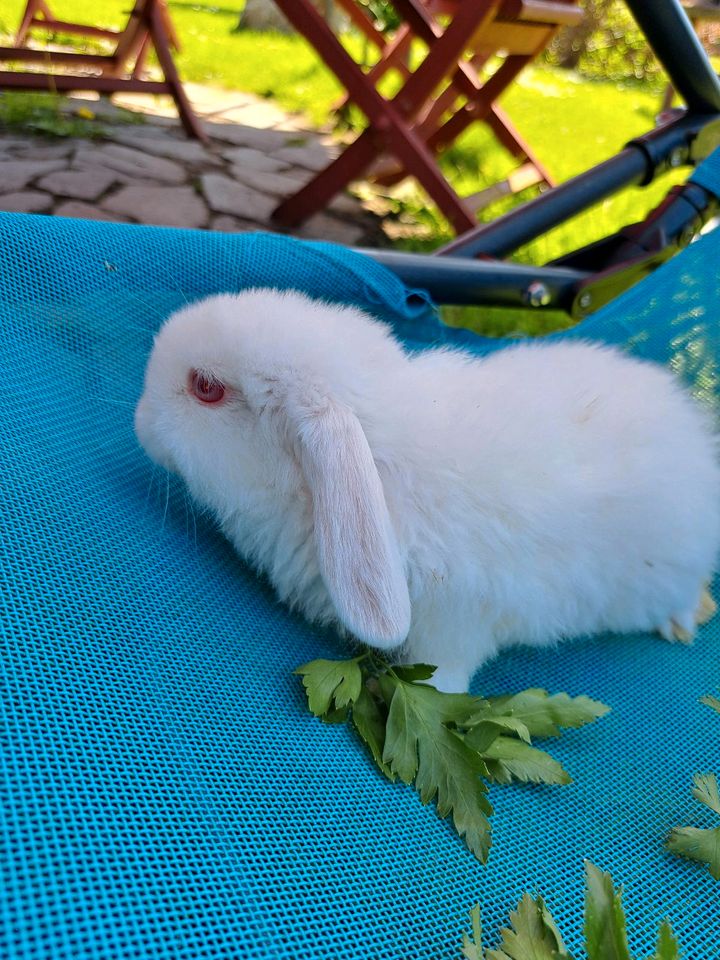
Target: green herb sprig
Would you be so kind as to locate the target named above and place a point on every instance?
(446, 744)
(534, 935)
(696, 843)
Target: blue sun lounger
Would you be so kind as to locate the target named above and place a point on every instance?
(165, 793)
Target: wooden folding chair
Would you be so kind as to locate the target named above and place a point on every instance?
(148, 28)
(437, 101)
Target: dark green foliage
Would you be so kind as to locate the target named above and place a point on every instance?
(693, 842)
(534, 935)
(607, 45)
(446, 744)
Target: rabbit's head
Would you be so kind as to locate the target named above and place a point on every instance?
(251, 398)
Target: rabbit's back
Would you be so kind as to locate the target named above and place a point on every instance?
(558, 490)
(535, 425)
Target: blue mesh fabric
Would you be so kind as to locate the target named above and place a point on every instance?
(707, 174)
(165, 793)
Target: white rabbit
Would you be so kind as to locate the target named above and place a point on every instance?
(447, 504)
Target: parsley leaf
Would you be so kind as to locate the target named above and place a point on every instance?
(705, 789)
(534, 935)
(481, 734)
(667, 946)
(697, 844)
(710, 701)
(447, 745)
(694, 842)
(544, 715)
(414, 671)
(472, 945)
(420, 746)
(509, 760)
(605, 934)
(330, 680)
(369, 717)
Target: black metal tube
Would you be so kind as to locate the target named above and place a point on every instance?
(502, 236)
(636, 164)
(670, 33)
(451, 280)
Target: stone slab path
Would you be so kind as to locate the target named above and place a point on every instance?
(150, 172)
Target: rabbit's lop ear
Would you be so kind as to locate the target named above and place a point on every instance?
(357, 549)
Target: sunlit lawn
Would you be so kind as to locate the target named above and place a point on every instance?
(571, 124)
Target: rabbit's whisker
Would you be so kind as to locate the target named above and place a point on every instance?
(153, 306)
(167, 501)
(190, 515)
(151, 484)
(182, 294)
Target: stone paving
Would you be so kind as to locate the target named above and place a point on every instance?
(150, 172)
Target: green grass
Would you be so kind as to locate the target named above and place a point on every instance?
(54, 116)
(571, 124)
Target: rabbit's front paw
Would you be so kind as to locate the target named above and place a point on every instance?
(707, 608)
(682, 626)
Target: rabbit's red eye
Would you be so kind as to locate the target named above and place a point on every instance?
(206, 389)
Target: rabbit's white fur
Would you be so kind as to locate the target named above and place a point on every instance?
(449, 504)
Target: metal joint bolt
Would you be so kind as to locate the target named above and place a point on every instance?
(585, 301)
(677, 157)
(537, 294)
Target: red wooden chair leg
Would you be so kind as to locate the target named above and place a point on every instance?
(169, 26)
(160, 41)
(388, 119)
(394, 58)
(355, 159)
(130, 41)
(668, 97)
(142, 55)
(325, 185)
(363, 22)
(421, 163)
(148, 26)
(481, 107)
(465, 83)
(508, 135)
(31, 10)
(468, 84)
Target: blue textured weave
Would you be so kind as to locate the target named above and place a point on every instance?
(707, 173)
(165, 793)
